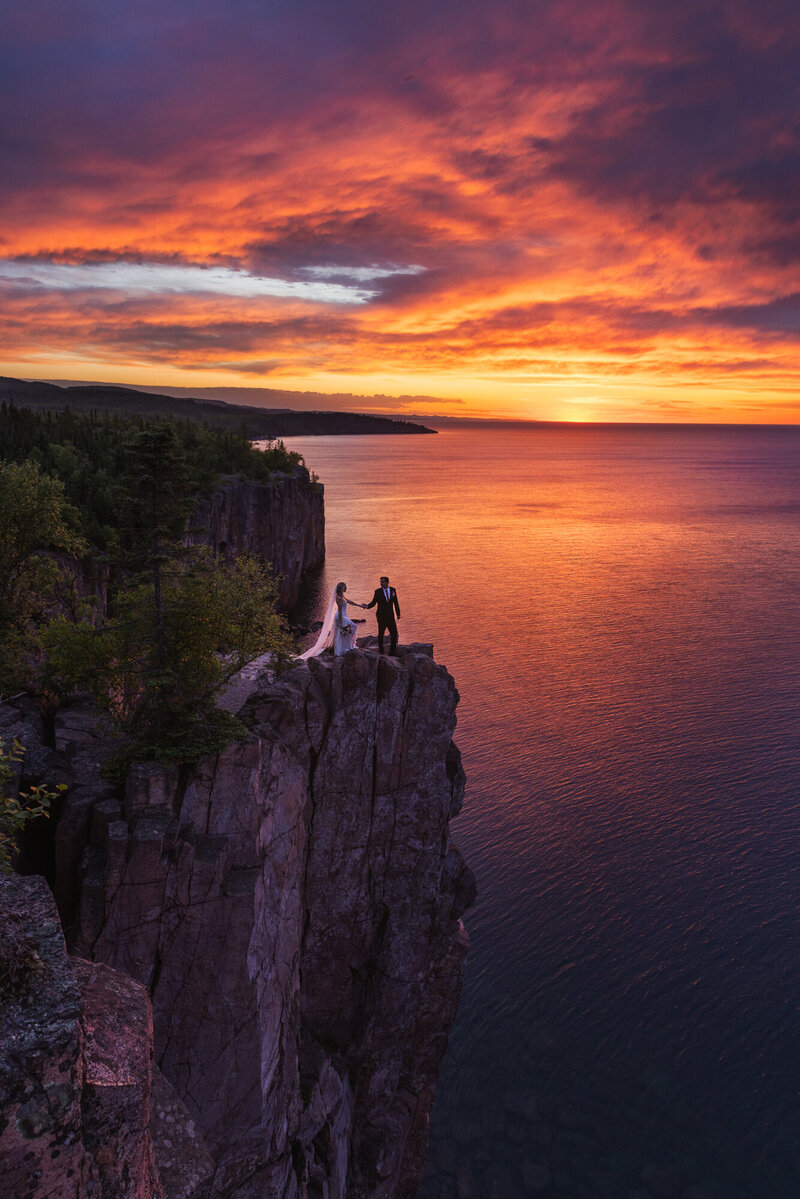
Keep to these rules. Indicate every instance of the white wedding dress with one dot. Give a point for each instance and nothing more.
(337, 630)
(344, 632)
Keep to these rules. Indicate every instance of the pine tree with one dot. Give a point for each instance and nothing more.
(157, 500)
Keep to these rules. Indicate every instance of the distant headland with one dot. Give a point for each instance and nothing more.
(218, 414)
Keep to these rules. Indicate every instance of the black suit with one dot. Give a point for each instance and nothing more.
(385, 614)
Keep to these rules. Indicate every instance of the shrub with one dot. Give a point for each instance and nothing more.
(17, 810)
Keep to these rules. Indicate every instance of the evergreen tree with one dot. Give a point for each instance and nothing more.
(157, 500)
(34, 516)
(34, 519)
(179, 623)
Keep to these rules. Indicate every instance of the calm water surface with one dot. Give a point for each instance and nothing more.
(621, 611)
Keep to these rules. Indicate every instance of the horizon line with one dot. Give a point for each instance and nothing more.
(167, 391)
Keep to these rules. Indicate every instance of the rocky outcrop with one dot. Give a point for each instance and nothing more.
(75, 1071)
(70, 751)
(282, 522)
(293, 906)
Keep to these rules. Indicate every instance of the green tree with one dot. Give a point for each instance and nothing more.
(16, 810)
(90, 453)
(215, 617)
(157, 499)
(178, 624)
(34, 516)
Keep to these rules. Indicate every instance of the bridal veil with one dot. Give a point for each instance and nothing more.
(325, 637)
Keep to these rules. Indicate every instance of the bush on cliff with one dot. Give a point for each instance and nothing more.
(159, 670)
(34, 518)
(179, 622)
(16, 810)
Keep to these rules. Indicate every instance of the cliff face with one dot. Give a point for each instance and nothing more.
(81, 1113)
(282, 521)
(293, 906)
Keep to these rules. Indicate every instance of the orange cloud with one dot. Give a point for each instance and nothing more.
(594, 210)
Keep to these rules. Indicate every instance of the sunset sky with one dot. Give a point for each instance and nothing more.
(573, 210)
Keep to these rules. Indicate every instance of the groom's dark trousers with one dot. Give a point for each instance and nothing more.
(385, 613)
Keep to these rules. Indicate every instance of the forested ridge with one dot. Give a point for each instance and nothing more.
(254, 421)
(105, 497)
(88, 453)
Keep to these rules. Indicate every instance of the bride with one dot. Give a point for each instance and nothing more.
(337, 629)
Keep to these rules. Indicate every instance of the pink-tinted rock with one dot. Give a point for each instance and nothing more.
(149, 785)
(117, 1051)
(184, 1163)
(294, 906)
(282, 522)
(83, 738)
(75, 1070)
(41, 1053)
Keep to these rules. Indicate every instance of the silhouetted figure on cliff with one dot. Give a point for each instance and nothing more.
(385, 600)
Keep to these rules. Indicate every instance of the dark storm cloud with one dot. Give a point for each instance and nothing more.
(338, 238)
(693, 122)
(779, 317)
(81, 256)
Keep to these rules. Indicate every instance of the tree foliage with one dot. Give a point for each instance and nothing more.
(35, 522)
(34, 516)
(16, 810)
(215, 617)
(179, 622)
(88, 454)
(157, 502)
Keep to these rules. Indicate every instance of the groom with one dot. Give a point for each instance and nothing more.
(385, 598)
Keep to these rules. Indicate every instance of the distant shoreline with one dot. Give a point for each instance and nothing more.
(259, 424)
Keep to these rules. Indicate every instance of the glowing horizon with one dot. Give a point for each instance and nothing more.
(589, 216)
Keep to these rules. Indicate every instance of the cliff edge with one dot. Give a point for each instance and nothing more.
(293, 908)
(282, 522)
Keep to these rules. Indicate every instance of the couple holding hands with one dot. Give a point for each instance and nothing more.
(338, 629)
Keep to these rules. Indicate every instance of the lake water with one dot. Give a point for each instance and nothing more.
(620, 608)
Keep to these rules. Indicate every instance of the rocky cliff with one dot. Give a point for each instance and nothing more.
(293, 908)
(83, 1112)
(282, 521)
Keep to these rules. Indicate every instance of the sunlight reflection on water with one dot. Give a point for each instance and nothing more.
(620, 610)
